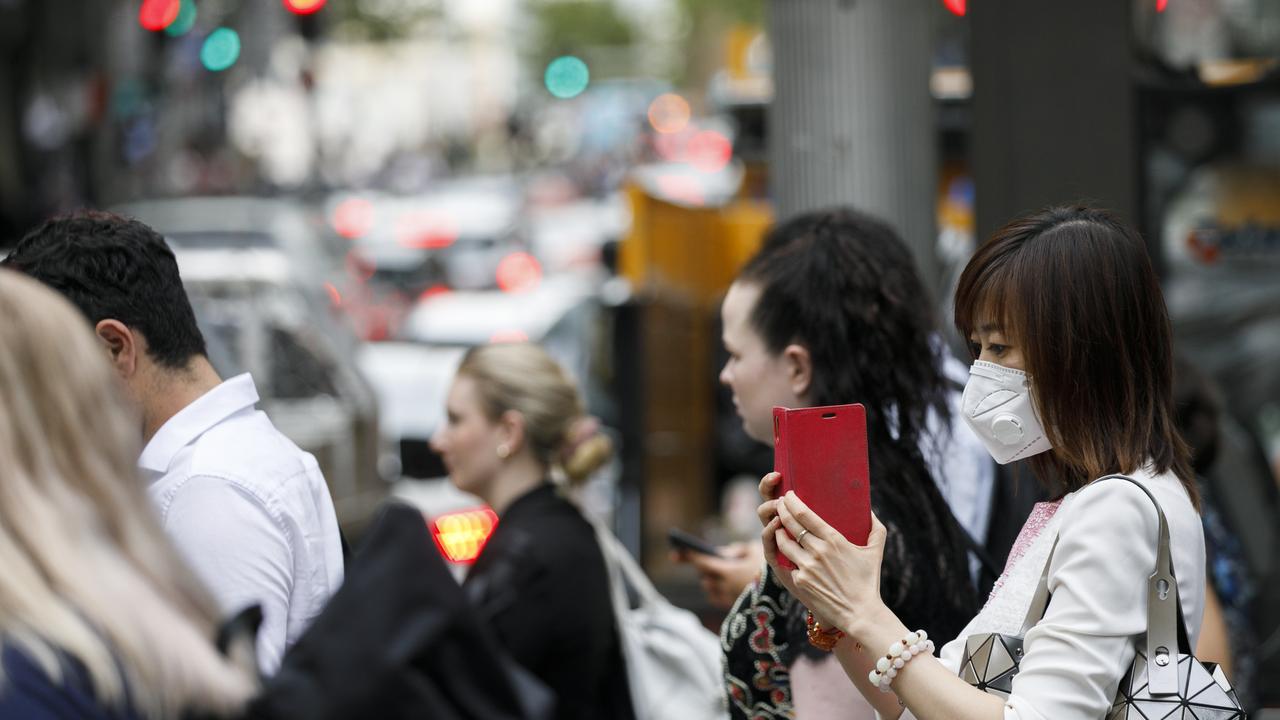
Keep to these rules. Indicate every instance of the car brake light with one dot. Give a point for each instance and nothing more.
(509, 336)
(462, 535)
(425, 230)
(433, 291)
(519, 272)
(353, 218)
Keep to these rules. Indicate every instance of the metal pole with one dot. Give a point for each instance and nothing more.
(852, 120)
(1054, 116)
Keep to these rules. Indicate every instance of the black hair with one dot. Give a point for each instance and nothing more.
(843, 285)
(112, 267)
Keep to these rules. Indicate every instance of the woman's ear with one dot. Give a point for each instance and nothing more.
(511, 428)
(799, 366)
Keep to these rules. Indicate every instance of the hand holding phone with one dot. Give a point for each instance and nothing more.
(681, 540)
(822, 455)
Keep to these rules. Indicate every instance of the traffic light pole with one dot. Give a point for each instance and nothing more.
(852, 121)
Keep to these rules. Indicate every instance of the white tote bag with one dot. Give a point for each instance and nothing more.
(673, 662)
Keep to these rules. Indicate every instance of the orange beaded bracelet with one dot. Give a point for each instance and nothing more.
(824, 639)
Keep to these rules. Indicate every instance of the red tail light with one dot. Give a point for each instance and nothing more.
(519, 272)
(462, 535)
(509, 336)
(353, 218)
(433, 291)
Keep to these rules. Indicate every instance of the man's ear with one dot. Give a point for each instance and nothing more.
(122, 346)
(799, 366)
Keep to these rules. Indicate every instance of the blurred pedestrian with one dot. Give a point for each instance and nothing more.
(831, 311)
(99, 617)
(515, 419)
(1228, 633)
(246, 507)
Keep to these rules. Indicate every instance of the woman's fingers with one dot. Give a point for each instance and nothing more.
(878, 531)
(807, 518)
(767, 511)
(799, 533)
(769, 542)
(769, 486)
(798, 553)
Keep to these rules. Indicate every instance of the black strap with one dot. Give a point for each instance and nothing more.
(974, 547)
(346, 552)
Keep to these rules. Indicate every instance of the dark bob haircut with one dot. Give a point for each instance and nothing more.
(1074, 289)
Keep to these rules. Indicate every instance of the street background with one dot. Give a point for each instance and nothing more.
(359, 190)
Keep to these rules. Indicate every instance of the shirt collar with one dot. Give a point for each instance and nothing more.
(228, 398)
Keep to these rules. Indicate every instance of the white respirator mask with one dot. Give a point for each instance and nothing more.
(997, 405)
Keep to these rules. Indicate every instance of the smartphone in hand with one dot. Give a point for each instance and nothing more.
(681, 540)
(821, 453)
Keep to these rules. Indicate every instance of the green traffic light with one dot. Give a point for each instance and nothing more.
(185, 20)
(567, 77)
(221, 49)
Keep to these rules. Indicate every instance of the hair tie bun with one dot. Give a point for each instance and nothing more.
(579, 432)
(585, 449)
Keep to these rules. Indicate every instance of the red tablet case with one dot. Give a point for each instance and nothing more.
(822, 455)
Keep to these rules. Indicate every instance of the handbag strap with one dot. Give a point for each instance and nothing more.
(624, 572)
(1166, 627)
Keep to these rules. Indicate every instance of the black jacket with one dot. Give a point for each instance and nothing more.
(399, 640)
(541, 584)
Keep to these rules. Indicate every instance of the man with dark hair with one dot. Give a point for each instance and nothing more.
(248, 509)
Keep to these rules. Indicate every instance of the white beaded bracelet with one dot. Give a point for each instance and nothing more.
(900, 653)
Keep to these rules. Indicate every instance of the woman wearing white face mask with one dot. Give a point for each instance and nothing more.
(1073, 371)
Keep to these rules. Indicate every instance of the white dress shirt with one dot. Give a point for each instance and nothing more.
(248, 510)
(1076, 655)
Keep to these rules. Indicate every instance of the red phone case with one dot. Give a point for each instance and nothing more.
(822, 455)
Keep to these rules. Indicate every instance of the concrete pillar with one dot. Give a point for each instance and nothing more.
(852, 121)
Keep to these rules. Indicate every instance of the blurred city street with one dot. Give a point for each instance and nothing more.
(358, 192)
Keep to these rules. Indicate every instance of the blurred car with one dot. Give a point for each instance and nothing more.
(255, 279)
(559, 312)
(315, 253)
(454, 235)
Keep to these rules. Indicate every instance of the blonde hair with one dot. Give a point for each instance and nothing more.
(87, 569)
(524, 378)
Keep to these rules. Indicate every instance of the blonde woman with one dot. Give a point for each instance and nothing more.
(513, 418)
(98, 617)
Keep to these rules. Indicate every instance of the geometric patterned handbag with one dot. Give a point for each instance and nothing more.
(1165, 682)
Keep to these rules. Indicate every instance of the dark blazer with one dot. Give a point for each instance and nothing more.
(541, 584)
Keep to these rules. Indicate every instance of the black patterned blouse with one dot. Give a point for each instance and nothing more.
(764, 633)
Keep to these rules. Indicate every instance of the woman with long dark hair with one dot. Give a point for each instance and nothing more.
(1072, 371)
(831, 311)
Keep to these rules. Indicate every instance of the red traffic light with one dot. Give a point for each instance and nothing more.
(156, 15)
(303, 7)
